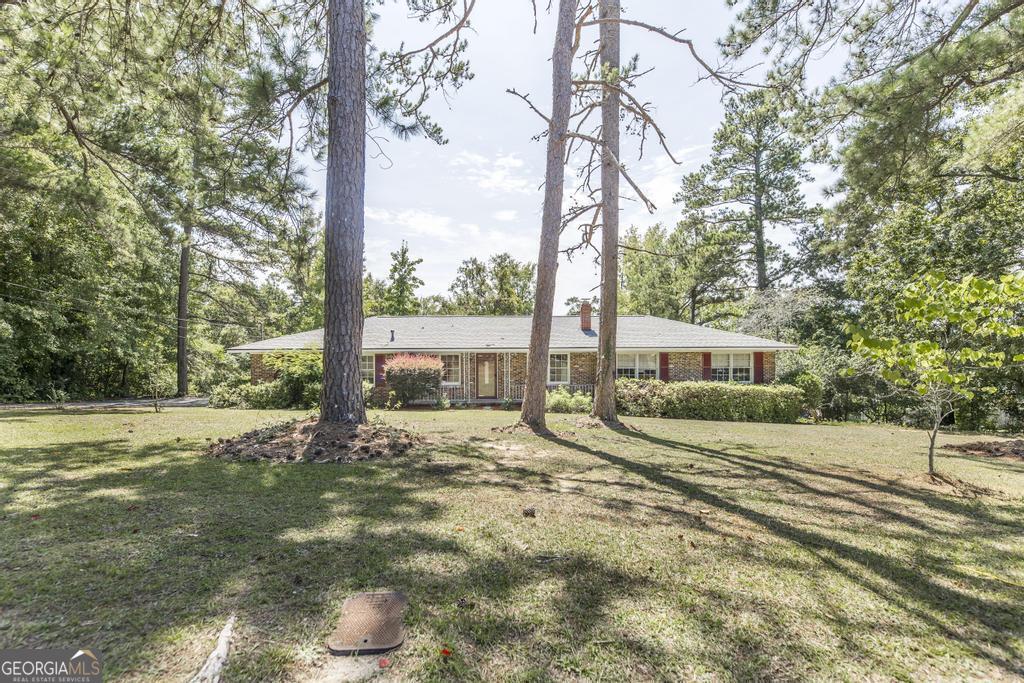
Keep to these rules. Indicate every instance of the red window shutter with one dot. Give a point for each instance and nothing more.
(663, 367)
(759, 367)
(707, 366)
(378, 368)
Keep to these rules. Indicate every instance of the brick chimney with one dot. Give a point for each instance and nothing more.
(585, 310)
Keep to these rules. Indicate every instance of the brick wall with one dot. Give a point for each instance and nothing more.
(258, 370)
(769, 367)
(583, 368)
(515, 364)
(517, 371)
(685, 367)
(682, 367)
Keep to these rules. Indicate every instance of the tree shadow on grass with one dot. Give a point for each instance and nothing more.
(929, 591)
(141, 551)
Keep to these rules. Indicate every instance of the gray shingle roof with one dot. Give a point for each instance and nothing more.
(511, 333)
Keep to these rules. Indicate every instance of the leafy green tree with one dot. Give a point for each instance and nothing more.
(574, 303)
(689, 274)
(948, 332)
(500, 286)
(298, 249)
(434, 304)
(374, 295)
(81, 307)
(752, 183)
(911, 72)
(399, 295)
(141, 95)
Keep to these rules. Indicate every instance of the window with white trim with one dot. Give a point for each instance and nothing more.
(625, 365)
(558, 368)
(731, 367)
(741, 367)
(366, 367)
(636, 365)
(451, 374)
(647, 366)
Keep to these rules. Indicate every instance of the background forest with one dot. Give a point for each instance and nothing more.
(152, 213)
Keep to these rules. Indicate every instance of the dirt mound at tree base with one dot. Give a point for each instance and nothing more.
(313, 442)
(995, 449)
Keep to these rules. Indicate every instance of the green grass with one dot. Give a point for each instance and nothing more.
(682, 550)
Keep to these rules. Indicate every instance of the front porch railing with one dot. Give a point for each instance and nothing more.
(512, 392)
(455, 394)
(516, 391)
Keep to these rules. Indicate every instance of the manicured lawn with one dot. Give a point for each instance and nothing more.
(682, 550)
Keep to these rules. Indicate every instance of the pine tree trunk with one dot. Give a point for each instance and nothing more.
(184, 265)
(554, 181)
(342, 394)
(604, 397)
(760, 249)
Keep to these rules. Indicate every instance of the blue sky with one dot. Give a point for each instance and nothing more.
(481, 193)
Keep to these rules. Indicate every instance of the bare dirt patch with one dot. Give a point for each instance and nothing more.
(590, 422)
(955, 486)
(310, 441)
(1013, 450)
(522, 428)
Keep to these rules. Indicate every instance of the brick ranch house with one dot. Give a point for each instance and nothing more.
(485, 356)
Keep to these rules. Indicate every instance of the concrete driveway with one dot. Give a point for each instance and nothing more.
(187, 402)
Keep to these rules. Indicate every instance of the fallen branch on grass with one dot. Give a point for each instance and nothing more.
(210, 673)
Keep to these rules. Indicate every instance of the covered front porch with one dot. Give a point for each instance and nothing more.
(481, 377)
(512, 392)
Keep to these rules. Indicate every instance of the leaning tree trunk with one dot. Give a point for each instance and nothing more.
(342, 394)
(184, 265)
(604, 397)
(554, 181)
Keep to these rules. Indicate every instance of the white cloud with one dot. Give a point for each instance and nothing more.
(505, 215)
(469, 229)
(505, 173)
(416, 222)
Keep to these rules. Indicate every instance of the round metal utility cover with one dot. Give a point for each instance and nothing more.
(370, 623)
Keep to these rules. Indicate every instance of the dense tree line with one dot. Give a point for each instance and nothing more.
(152, 214)
(923, 128)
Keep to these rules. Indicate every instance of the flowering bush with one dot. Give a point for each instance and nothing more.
(413, 377)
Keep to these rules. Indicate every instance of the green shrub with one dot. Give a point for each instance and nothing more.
(311, 394)
(226, 395)
(814, 390)
(296, 385)
(57, 396)
(709, 400)
(278, 394)
(392, 402)
(299, 374)
(561, 400)
(367, 393)
(413, 377)
(264, 396)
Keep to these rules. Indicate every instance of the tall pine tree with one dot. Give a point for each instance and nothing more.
(753, 183)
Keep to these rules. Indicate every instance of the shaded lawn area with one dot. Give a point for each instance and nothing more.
(680, 550)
